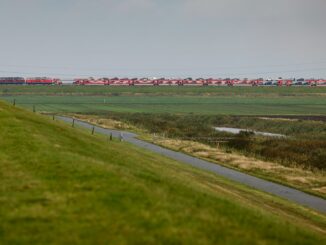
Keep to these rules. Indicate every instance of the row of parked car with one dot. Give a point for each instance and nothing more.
(199, 82)
(166, 81)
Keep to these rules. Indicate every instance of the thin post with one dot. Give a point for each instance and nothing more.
(110, 136)
(14, 103)
(33, 108)
(53, 117)
(93, 130)
(73, 122)
(121, 137)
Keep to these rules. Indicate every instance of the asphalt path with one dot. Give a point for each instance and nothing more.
(291, 194)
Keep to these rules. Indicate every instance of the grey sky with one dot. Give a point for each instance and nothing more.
(222, 38)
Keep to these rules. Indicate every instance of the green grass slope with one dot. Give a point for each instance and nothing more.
(61, 185)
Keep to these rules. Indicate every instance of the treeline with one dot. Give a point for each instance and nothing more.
(305, 143)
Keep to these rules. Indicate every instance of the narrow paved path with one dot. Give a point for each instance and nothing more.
(314, 202)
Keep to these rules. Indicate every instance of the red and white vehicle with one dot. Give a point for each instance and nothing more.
(11, 80)
(90, 81)
(287, 82)
(43, 81)
(144, 82)
(175, 82)
(156, 81)
(227, 82)
(320, 82)
(240, 82)
(169, 82)
(200, 82)
(214, 81)
(191, 82)
(120, 82)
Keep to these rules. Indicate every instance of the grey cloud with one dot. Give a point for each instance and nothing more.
(170, 38)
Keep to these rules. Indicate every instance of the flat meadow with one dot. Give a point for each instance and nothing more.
(196, 100)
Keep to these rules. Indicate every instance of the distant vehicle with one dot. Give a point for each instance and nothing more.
(121, 82)
(116, 81)
(270, 83)
(90, 81)
(300, 83)
(143, 82)
(12, 80)
(43, 81)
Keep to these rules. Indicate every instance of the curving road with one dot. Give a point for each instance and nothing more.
(291, 194)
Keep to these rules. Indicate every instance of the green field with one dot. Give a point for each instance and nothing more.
(158, 90)
(197, 100)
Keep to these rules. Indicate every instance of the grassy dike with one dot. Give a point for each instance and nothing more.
(62, 185)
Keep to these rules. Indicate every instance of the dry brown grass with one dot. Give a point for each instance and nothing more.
(279, 119)
(104, 122)
(295, 176)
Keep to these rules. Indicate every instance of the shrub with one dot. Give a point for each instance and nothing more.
(306, 146)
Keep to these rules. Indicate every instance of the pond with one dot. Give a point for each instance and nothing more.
(237, 130)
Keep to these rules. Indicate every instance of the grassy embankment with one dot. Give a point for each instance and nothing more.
(63, 185)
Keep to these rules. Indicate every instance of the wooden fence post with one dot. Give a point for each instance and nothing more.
(121, 137)
(73, 123)
(93, 129)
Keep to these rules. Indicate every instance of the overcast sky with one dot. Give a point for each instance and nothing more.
(198, 38)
